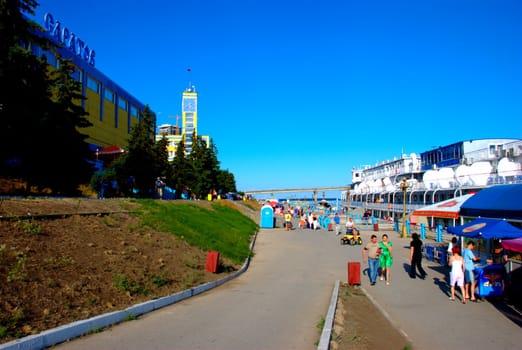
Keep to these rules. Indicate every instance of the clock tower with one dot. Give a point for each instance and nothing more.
(189, 115)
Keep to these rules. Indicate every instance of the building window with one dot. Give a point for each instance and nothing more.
(93, 84)
(77, 75)
(134, 111)
(122, 103)
(50, 58)
(109, 95)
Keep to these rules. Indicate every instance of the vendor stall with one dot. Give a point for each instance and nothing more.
(489, 276)
(490, 280)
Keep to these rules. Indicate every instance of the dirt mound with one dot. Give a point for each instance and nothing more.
(70, 266)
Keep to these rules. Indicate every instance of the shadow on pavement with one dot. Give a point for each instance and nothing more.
(507, 310)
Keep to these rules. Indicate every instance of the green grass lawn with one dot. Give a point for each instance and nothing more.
(221, 228)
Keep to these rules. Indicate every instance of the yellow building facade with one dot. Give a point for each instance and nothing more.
(189, 125)
(112, 110)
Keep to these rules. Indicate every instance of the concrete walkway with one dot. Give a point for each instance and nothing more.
(285, 293)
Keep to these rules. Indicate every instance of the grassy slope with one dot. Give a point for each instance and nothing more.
(219, 228)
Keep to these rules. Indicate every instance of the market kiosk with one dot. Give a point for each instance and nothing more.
(489, 276)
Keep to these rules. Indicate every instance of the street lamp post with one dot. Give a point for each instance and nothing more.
(404, 187)
(348, 201)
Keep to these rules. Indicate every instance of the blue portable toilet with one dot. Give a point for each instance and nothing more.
(267, 217)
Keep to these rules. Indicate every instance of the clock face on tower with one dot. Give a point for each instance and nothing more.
(189, 105)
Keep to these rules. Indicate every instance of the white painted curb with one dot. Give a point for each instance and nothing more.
(326, 335)
(76, 329)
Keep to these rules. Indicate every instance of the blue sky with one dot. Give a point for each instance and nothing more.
(297, 93)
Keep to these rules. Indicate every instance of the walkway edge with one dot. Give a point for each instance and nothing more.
(326, 335)
(79, 328)
(387, 316)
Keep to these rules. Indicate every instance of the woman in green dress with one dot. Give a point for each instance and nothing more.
(385, 258)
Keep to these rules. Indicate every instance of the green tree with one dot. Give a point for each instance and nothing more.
(41, 109)
(163, 167)
(226, 181)
(182, 171)
(205, 165)
(25, 88)
(140, 159)
(65, 119)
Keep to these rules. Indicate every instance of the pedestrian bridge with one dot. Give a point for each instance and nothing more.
(313, 190)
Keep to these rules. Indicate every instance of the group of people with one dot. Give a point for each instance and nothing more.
(310, 221)
(378, 255)
(462, 269)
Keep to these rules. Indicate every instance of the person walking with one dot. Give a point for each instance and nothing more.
(469, 277)
(337, 222)
(159, 187)
(457, 273)
(386, 258)
(370, 255)
(416, 257)
(288, 220)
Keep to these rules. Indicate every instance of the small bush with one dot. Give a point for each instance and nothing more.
(160, 281)
(123, 284)
(28, 226)
(17, 271)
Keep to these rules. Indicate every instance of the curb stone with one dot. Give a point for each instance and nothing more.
(326, 335)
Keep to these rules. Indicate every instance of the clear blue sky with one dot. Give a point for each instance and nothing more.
(296, 93)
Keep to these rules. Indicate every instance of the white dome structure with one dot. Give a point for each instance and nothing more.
(430, 179)
(446, 178)
(462, 175)
(480, 172)
(508, 168)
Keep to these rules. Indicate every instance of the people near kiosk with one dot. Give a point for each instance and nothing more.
(457, 273)
(499, 257)
(451, 245)
(469, 277)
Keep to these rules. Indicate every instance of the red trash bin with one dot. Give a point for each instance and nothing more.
(212, 261)
(354, 273)
(376, 227)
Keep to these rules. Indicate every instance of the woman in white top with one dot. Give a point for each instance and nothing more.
(457, 273)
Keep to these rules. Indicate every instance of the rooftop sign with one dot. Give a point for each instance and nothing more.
(64, 36)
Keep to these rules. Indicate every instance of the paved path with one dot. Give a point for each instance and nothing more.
(285, 293)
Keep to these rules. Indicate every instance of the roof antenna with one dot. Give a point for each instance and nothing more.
(189, 89)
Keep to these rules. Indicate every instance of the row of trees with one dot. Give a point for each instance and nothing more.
(197, 173)
(40, 113)
(41, 120)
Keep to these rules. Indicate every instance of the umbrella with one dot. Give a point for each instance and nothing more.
(501, 202)
(448, 209)
(513, 244)
(486, 228)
